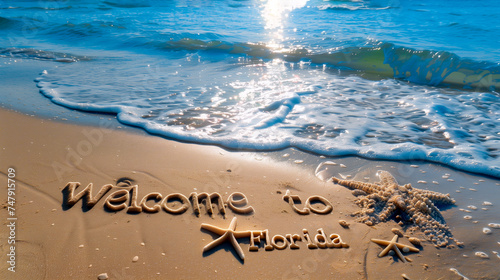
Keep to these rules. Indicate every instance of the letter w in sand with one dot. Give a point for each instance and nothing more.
(70, 199)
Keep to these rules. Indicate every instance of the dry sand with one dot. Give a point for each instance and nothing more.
(54, 241)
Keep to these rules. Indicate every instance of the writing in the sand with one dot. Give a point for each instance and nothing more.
(174, 203)
(127, 197)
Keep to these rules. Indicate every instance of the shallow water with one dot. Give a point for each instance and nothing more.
(399, 80)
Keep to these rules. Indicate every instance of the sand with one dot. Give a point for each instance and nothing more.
(55, 240)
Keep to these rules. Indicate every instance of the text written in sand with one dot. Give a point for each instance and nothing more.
(120, 197)
(175, 203)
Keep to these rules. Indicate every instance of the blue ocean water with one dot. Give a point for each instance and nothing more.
(381, 79)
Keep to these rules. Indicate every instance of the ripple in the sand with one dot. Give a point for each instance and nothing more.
(386, 199)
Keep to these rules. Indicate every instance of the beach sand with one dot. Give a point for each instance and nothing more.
(55, 241)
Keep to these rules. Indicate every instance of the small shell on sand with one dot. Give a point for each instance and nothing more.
(487, 230)
(472, 207)
(494, 225)
(298, 161)
(487, 203)
(415, 241)
(482, 255)
(344, 224)
(135, 259)
(343, 165)
(397, 231)
(422, 182)
(103, 276)
(467, 217)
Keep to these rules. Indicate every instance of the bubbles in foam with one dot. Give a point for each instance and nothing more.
(229, 104)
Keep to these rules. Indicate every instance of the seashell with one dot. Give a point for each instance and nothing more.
(472, 207)
(103, 276)
(135, 259)
(487, 230)
(344, 224)
(415, 241)
(482, 255)
(467, 217)
(494, 225)
(487, 203)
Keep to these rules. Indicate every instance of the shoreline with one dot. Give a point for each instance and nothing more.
(84, 243)
(20, 88)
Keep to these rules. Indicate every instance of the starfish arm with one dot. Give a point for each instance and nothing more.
(436, 215)
(390, 246)
(366, 187)
(236, 246)
(402, 246)
(232, 225)
(400, 255)
(385, 251)
(386, 212)
(246, 233)
(387, 180)
(214, 229)
(216, 242)
(436, 197)
(381, 242)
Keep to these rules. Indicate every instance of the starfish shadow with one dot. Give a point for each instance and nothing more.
(226, 247)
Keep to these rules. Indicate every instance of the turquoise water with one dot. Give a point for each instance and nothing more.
(398, 80)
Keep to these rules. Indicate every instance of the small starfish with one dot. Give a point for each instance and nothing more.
(395, 246)
(382, 200)
(227, 234)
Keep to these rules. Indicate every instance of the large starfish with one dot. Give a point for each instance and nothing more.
(381, 201)
(227, 234)
(395, 246)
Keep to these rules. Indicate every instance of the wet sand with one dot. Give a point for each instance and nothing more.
(55, 240)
